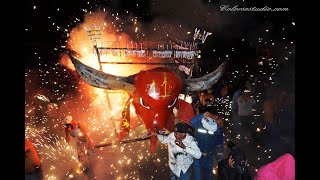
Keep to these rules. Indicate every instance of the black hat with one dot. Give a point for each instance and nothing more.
(181, 128)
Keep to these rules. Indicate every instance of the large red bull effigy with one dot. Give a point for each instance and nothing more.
(154, 92)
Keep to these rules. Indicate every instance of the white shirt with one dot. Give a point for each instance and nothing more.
(180, 159)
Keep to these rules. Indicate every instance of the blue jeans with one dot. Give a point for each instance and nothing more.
(183, 176)
(202, 168)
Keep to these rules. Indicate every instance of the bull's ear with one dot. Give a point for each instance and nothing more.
(204, 82)
(101, 79)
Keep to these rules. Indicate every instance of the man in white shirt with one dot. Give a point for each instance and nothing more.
(182, 149)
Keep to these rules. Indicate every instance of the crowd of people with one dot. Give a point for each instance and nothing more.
(257, 111)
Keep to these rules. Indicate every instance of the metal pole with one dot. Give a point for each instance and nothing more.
(100, 64)
(98, 55)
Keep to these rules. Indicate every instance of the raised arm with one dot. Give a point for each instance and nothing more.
(193, 150)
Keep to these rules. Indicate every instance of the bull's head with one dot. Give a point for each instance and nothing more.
(154, 92)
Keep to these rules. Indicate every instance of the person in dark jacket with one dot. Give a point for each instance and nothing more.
(235, 166)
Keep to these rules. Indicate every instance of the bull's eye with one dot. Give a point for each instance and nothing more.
(144, 105)
(173, 103)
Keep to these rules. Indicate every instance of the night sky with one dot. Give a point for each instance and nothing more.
(234, 33)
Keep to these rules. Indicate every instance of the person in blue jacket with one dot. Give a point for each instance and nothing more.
(204, 127)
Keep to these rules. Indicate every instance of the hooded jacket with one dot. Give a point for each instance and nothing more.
(282, 168)
(204, 137)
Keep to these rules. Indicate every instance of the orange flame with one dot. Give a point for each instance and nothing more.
(96, 30)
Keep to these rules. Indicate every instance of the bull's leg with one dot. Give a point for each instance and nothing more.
(153, 144)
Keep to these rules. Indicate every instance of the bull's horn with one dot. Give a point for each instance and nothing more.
(206, 81)
(101, 79)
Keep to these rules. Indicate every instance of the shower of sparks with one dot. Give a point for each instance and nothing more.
(101, 109)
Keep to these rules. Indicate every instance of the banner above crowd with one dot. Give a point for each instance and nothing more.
(186, 54)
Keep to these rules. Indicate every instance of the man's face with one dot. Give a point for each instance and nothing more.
(246, 93)
(179, 136)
